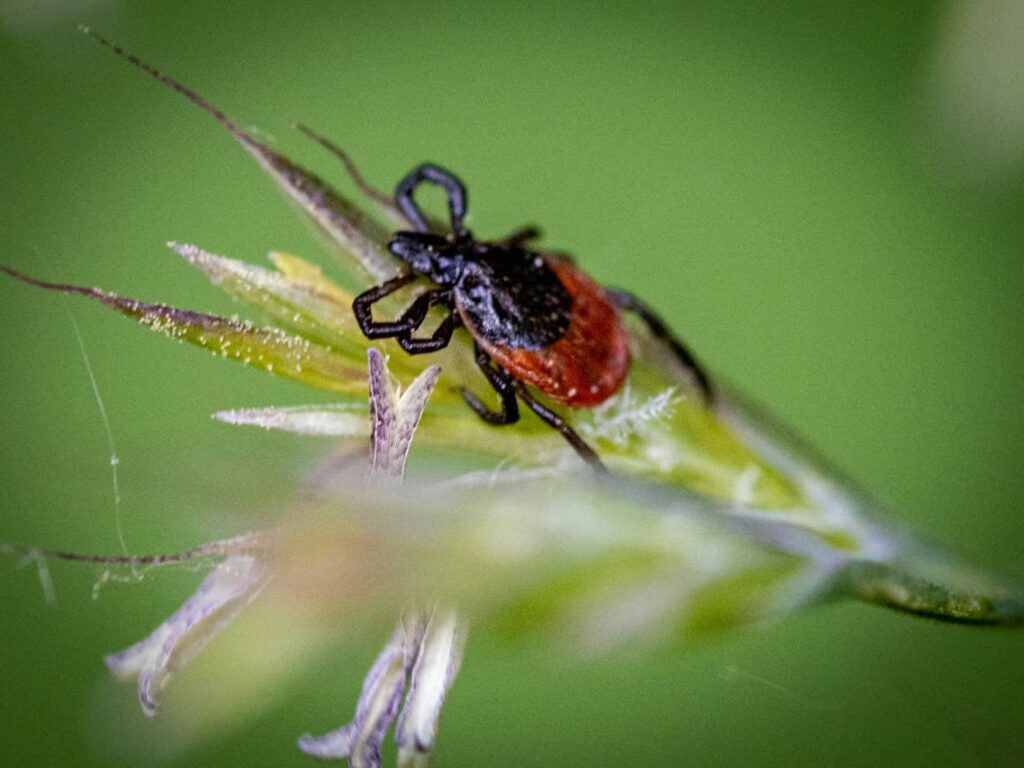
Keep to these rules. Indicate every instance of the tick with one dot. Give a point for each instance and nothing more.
(537, 320)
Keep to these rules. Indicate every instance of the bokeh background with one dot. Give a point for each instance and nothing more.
(826, 200)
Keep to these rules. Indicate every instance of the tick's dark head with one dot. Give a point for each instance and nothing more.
(439, 258)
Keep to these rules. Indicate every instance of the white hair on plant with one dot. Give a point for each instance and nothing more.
(626, 414)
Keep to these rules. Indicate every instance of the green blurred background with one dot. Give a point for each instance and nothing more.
(826, 200)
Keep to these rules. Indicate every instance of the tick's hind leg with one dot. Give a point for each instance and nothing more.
(555, 421)
(503, 384)
(508, 388)
(630, 303)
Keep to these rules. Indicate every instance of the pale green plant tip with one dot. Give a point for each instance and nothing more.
(893, 587)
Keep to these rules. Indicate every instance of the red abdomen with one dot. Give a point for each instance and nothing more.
(588, 364)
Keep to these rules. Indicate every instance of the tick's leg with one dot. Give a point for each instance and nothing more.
(454, 188)
(503, 385)
(440, 339)
(409, 321)
(520, 237)
(362, 304)
(630, 303)
(552, 419)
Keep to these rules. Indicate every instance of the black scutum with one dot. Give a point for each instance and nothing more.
(512, 298)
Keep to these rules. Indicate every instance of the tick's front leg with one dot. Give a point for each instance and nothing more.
(409, 321)
(439, 340)
(363, 303)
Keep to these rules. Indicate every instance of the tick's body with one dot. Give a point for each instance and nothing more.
(546, 323)
(536, 318)
(579, 353)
